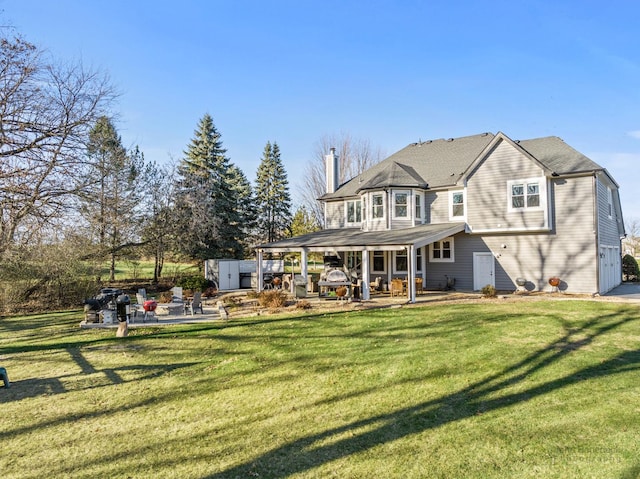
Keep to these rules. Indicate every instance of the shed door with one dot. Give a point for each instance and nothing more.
(228, 275)
(483, 270)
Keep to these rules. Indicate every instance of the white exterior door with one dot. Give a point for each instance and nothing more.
(228, 275)
(483, 270)
(610, 268)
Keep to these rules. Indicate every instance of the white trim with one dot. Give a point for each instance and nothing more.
(407, 205)
(510, 230)
(394, 258)
(464, 205)
(541, 181)
(353, 224)
(373, 262)
(443, 260)
(476, 285)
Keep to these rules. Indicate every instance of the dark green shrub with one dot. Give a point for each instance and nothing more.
(193, 283)
(630, 270)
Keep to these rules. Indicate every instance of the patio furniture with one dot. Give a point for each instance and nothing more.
(419, 288)
(195, 304)
(396, 287)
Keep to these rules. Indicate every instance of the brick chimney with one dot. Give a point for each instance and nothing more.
(331, 171)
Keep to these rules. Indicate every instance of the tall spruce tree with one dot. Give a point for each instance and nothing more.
(245, 205)
(273, 201)
(110, 201)
(209, 225)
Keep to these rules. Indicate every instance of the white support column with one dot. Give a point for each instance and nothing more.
(366, 277)
(411, 270)
(259, 271)
(304, 271)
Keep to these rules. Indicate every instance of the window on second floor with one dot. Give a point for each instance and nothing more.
(456, 203)
(442, 251)
(354, 211)
(609, 202)
(401, 205)
(418, 207)
(526, 194)
(377, 206)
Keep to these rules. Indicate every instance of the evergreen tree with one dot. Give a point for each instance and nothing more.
(245, 205)
(303, 222)
(209, 225)
(110, 202)
(273, 201)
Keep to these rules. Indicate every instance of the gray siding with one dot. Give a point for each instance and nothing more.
(569, 251)
(437, 206)
(488, 195)
(334, 214)
(607, 226)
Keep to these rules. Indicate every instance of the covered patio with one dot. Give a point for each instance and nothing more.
(336, 241)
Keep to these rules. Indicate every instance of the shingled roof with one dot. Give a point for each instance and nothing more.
(441, 163)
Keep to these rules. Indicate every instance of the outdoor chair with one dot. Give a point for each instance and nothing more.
(396, 287)
(419, 288)
(177, 294)
(375, 285)
(195, 304)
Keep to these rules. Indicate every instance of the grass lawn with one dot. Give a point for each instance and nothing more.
(526, 389)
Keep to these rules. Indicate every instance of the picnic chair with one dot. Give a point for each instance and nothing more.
(195, 304)
(419, 287)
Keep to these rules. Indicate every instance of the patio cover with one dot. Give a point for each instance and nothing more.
(354, 239)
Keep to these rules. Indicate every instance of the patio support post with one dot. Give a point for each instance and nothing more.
(365, 275)
(411, 272)
(259, 271)
(303, 265)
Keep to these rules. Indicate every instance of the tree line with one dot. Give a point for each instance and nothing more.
(73, 197)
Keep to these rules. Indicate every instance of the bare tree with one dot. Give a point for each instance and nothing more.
(46, 112)
(631, 244)
(355, 156)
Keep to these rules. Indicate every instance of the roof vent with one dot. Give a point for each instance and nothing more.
(485, 134)
(450, 139)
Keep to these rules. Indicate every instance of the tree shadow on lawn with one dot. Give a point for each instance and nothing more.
(304, 454)
(88, 377)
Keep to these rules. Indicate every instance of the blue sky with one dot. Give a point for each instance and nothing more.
(392, 72)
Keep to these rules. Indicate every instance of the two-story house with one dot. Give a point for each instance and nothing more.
(478, 210)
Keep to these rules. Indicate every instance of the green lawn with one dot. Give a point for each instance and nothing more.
(493, 389)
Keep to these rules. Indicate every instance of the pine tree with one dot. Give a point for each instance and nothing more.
(245, 205)
(210, 225)
(110, 202)
(273, 201)
(303, 222)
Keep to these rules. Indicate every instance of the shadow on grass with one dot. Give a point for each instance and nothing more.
(483, 396)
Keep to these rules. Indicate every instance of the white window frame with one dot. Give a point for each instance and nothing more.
(441, 249)
(418, 205)
(419, 260)
(464, 205)
(346, 212)
(609, 202)
(407, 205)
(373, 262)
(525, 182)
(375, 207)
(400, 253)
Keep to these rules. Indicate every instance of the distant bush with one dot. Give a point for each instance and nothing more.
(489, 291)
(193, 283)
(272, 298)
(630, 270)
